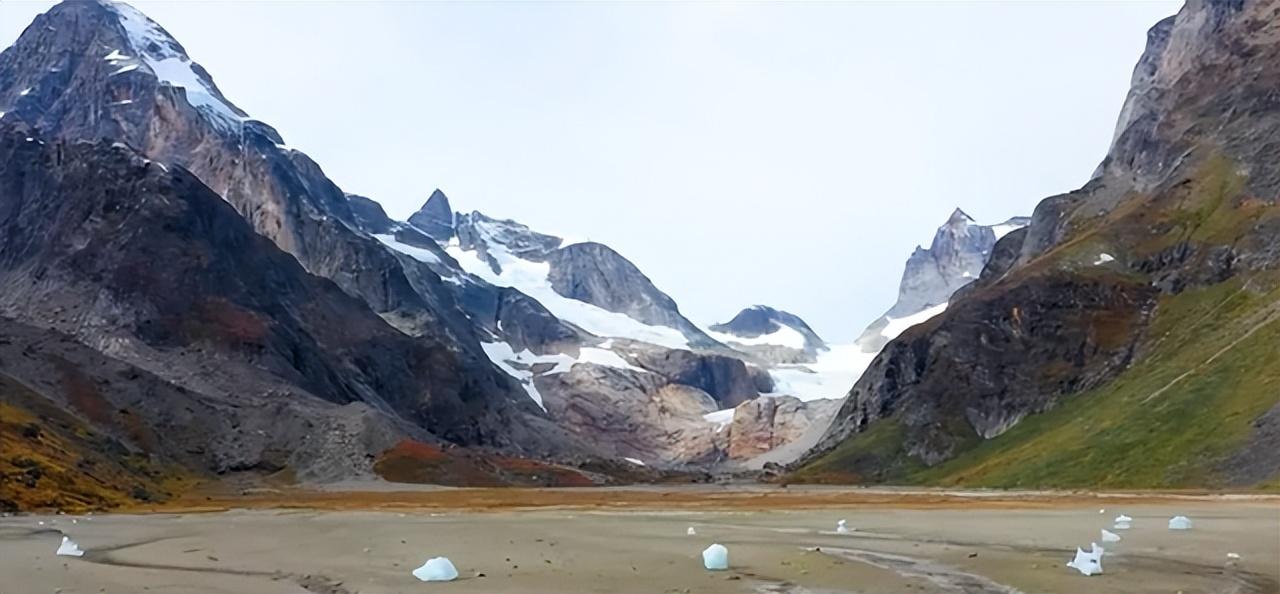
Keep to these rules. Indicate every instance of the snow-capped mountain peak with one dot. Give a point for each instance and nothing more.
(152, 48)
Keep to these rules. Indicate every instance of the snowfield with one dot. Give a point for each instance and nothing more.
(531, 279)
(784, 336)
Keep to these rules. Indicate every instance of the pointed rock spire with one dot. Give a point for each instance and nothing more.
(435, 218)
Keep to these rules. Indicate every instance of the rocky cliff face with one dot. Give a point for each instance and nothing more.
(1095, 348)
(435, 218)
(956, 257)
(87, 71)
(310, 303)
(227, 317)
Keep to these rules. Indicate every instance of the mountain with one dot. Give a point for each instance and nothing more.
(774, 335)
(1126, 337)
(605, 352)
(250, 362)
(105, 116)
(959, 251)
(435, 218)
(444, 330)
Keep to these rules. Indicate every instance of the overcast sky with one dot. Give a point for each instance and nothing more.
(787, 154)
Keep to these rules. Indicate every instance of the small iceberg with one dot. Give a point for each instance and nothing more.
(842, 527)
(1088, 563)
(1233, 556)
(69, 548)
(1109, 536)
(691, 531)
(716, 558)
(1179, 523)
(1123, 519)
(436, 569)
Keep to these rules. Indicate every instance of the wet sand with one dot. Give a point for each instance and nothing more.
(960, 543)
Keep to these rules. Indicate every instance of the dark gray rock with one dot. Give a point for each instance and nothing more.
(759, 320)
(435, 218)
(369, 215)
(596, 274)
(955, 258)
(725, 378)
(227, 315)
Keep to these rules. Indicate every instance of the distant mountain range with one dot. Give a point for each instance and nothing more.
(182, 294)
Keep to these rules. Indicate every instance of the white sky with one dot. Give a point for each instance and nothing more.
(787, 154)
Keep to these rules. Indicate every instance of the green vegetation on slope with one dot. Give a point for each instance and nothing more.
(51, 460)
(1211, 369)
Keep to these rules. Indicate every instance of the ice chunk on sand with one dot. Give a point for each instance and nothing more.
(1102, 511)
(1233, 556)
(716, 557)
(691, 531)
(436, 569)
(69, 548)
(842, 527)
(1088, 563)
(1109, 536)
(1179, 523)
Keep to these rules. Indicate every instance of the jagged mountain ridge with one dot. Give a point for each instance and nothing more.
(604, 340)
(94, 70)
(91, 70)
(1125, 337)
(288, 370)
(959, 251)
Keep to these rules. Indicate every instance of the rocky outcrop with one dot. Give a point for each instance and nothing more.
(595, 274)
(435, 218)
(370, 216)
(1182, 216)
(726, 379)
(103, 70)
(766, 424)
(632, 414)
(228, 317)
(957, 255)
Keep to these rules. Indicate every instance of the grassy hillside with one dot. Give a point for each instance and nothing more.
(52, 460)
(1184, 416)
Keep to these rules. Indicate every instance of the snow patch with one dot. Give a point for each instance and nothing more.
(604, 357)
(785, 336)
(531, 279)
(124, 69)
(635, 461)
(720, 418)
(897, 326)
(1103, 258)
(115, 56)
(417, 253)
(24, 92)
(163, 56)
